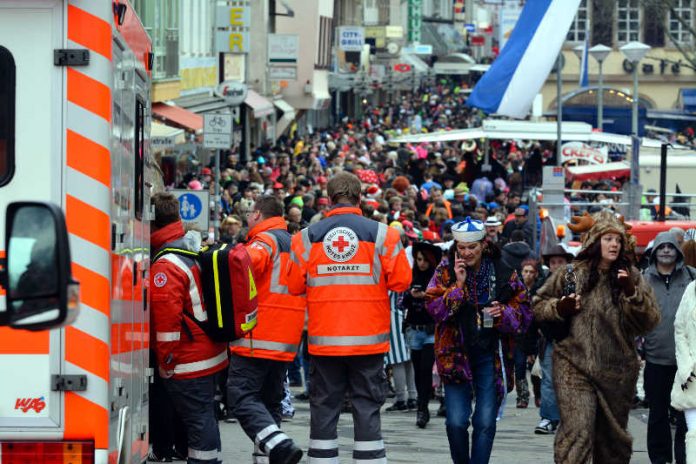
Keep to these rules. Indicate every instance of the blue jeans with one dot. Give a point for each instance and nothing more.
(549, 406)
(417, 338)
(458, 399)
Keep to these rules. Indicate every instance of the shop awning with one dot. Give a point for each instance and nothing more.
(202, 103)
(286, 119)
(163, 136)
(179, 117)
(600, 171)
(416, 63)
(259, 104)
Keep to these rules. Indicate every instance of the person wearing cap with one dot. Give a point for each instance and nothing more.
(478, 304)
(595, 367)
(521, 222)
(322, 207)
(555, 257)
(492, 226)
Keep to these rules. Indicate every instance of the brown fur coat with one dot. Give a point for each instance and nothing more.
(596, 367)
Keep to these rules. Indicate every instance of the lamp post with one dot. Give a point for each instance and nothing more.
(634, 52)
(600, 52)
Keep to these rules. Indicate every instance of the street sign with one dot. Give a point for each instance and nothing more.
(470, 28)
(283, 48)
(282, 73)
(402, 67)
(194, 207)
(217, 130)
(418, 49)
(478, 41)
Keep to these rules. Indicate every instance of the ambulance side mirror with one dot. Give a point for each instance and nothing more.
(40, 291)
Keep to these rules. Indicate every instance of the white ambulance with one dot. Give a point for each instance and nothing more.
(74, 160)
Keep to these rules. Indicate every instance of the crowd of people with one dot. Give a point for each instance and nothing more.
(443, 252)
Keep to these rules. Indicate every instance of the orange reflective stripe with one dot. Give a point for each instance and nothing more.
(87, 352)
(85, 420)
(90, 94)
(23, 341)
(94, 288)
(88, 222)
(90, 31)
(88, 157)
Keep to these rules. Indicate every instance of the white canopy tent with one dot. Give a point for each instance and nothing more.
(500, 129)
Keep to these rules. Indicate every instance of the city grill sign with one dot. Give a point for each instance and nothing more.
(351, 38)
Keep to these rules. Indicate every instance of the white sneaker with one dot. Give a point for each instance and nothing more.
(545, 427)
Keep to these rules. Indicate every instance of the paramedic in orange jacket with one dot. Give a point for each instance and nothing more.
(186, 357)
(258, 365)
(345, 264)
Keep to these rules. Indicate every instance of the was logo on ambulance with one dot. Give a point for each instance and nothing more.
(26, 404)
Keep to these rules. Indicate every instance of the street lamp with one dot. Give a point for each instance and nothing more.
(634, 52)
(600, 53)
(579, 50)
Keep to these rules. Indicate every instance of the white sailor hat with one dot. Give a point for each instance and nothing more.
(469, 230)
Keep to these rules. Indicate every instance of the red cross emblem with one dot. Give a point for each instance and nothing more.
(160, 279)
(340, 243)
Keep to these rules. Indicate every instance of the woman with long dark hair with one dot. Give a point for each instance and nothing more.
(478, 304)
(604, 304)
(420, 326)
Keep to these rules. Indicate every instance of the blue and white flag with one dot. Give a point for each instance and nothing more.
(584, 63)
(508, 88)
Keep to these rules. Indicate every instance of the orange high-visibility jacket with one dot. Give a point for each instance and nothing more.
(345, 264)
(280, 315)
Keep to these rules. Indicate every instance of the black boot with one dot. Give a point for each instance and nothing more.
(285, 453)
(442, 410)
(422, 417)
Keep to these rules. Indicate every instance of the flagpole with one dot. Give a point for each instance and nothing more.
(559, 109)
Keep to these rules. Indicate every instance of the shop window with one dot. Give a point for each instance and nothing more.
(7, 115)
(139, 158)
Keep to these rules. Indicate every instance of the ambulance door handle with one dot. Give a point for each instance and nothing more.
(135, 273)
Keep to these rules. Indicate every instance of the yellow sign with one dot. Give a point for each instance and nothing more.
(232, 27)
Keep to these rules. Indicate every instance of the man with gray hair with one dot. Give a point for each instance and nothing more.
(668, 276)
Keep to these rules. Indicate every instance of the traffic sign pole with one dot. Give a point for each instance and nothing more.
(218, 206)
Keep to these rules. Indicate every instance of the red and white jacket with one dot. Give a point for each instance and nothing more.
(182, 349)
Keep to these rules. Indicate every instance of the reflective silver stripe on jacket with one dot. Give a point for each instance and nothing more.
(266, 345)
(198, 366)
(212, 455)
(276, 287)
(194, 292)
(348, 340)
(306, 243)
(168, 336)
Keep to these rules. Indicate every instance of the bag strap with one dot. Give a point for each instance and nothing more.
(176, 251)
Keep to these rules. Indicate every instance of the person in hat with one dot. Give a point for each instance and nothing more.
(595, 367)
(521, 222)
(492, 226)
(420, 326)
(556, 257)
(478, 304)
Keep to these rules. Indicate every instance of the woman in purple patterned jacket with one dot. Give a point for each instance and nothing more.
(479, 305)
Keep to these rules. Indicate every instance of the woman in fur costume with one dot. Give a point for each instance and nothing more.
(595, 366)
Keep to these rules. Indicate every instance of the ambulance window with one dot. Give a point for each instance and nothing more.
(139, 157)
(7, 115)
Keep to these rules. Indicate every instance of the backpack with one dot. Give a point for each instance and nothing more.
(229, 290)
